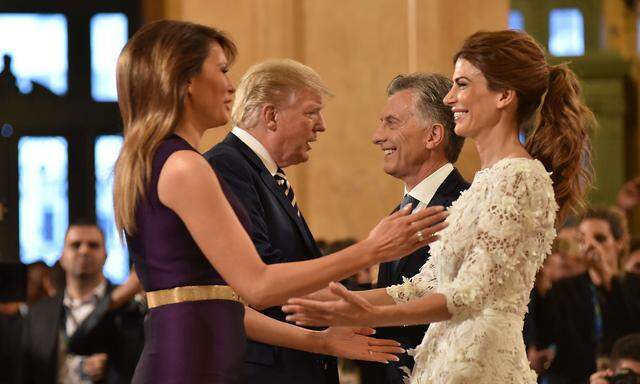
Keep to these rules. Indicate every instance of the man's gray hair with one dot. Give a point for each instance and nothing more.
(429, 90)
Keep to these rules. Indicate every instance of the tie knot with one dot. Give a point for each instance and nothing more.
(280, 177)
(408, 199)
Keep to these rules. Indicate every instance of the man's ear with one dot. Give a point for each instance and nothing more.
(434, 135)
(269, 116)
(506, 98)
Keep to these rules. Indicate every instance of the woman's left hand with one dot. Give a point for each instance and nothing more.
(351, 309)
(355, 344)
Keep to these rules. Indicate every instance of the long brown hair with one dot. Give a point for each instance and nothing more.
(550, 108)
(152, 74)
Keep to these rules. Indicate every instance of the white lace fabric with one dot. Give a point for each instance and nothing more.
(500, 231)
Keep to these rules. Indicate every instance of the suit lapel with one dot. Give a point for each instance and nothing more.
(51, 319)
(270, 182)
(449, 190)
(445, 194)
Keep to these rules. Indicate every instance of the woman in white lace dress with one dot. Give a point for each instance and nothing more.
(475, 286)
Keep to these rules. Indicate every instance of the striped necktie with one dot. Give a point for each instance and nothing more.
(283, 183)
(406, 200)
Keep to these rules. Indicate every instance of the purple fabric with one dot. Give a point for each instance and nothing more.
(191, 342)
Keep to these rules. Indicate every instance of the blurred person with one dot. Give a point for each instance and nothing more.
(188, 230)
(39, 284)
(109, 345)
(629, 195)
(624, 363)
(13, 283)
(475, 286)
(561, 264)
(581, 315)
(632, 263)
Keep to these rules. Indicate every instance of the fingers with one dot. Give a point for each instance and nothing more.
(378, 357)
(426, 224)
(342, 292)
(309, 320)
(299, 304)
(383, 342)
(386, 349)
(365, 331)
(405, 211)
(428, 212)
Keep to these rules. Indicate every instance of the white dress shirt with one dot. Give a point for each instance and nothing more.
(425, 189)
(77, 310)
(257, 148)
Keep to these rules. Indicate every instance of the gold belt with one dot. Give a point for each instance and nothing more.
(191, 293)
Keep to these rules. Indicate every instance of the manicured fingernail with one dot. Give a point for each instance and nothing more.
(395, 359)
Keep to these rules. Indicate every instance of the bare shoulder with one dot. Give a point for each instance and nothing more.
(184, 172)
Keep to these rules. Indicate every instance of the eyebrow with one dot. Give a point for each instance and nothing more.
(461, 78)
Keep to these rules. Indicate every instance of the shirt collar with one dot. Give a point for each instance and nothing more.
(97, 293)
(257, 147)
(425, 189)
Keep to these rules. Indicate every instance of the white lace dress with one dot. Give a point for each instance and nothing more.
(500, 230)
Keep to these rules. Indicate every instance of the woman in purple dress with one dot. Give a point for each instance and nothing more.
(191, 253)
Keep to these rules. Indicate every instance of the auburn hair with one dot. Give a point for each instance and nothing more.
(550, 108)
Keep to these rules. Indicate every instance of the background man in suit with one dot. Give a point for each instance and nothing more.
(73, 337)
(277, 115)
(419, 144)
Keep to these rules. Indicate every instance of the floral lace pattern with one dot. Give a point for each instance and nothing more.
(500, 231)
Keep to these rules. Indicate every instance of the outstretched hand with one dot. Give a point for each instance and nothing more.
(355, 344)
(350, 309)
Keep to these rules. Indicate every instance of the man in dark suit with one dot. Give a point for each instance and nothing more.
(74, 337)
(419, 144)
(277, 115)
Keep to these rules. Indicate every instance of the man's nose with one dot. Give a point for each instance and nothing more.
(377, 136)
(320, 125)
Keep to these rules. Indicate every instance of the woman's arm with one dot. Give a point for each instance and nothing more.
(124, 293)
(188, 186)
(350, 343)
(352, 309)
(377, 296)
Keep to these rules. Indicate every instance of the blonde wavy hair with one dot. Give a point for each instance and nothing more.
(152, 75)
(272, 81)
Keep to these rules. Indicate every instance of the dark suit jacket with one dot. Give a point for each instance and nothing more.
(117, 333)
(565, 317)
(410, 337)
(280, 235)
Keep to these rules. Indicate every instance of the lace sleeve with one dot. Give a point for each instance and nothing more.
(418, 286)
(514, 233)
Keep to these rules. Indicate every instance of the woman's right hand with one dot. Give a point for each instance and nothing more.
(401, 233)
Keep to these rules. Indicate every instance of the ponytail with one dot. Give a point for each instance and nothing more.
(560, 140)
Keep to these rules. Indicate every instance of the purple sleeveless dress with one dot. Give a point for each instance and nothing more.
(188, 342)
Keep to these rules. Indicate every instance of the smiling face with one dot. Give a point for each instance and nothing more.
(474, 105)
(402, 136)
(210, 92)
(297, 125)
